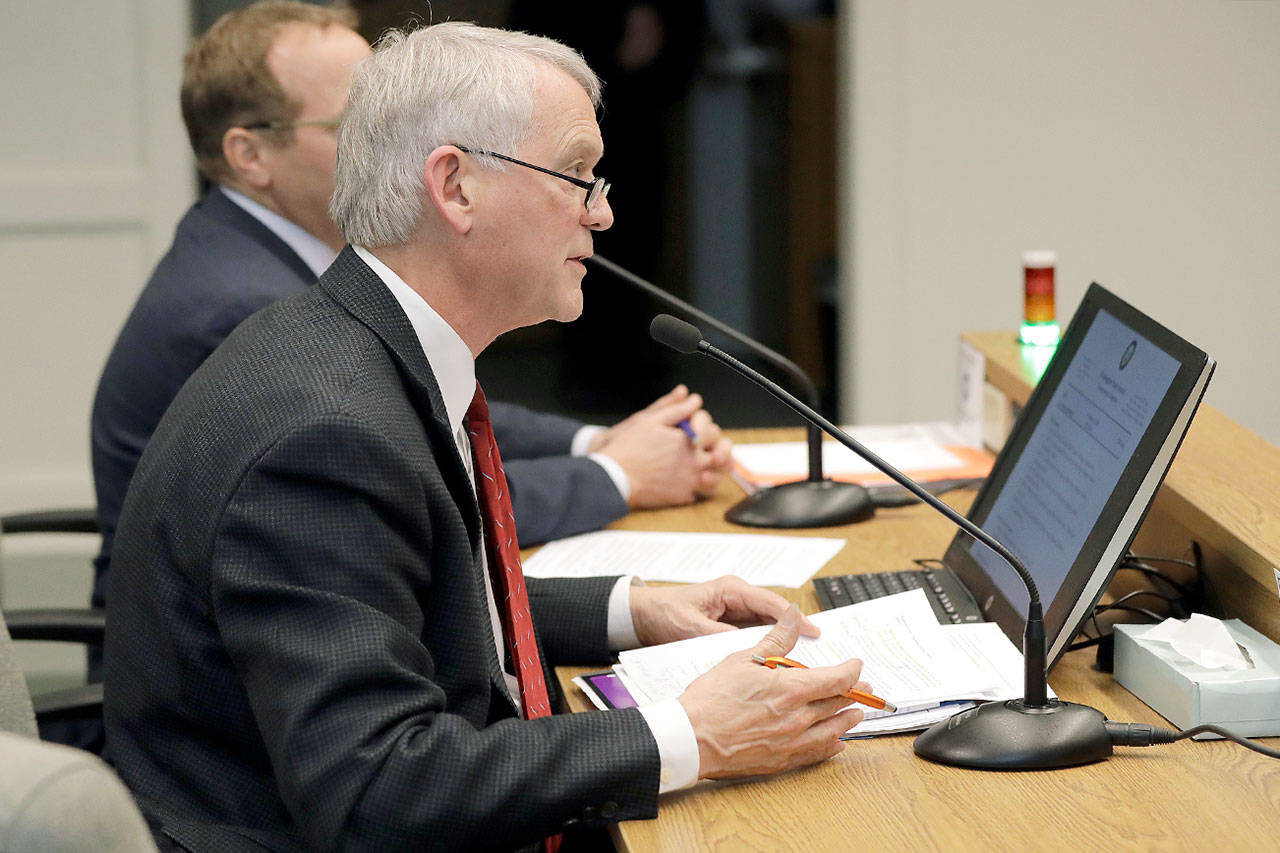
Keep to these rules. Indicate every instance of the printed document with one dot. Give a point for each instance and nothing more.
(929, 671)
(759, 559)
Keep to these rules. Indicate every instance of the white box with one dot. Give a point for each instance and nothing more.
(1186, 694)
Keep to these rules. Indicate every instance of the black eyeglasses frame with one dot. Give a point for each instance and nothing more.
(596, 190)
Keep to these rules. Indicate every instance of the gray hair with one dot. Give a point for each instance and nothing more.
(447, 84)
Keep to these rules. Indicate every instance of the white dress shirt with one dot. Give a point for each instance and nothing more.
(315, 253)
(454, 368)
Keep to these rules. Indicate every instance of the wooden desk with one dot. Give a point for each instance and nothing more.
(877, 794)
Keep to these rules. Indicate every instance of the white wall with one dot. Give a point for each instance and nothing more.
(94, 172)
(1141, 140)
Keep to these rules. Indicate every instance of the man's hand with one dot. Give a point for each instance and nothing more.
(665, 467)
(664, 614)
(751, 720)
(714, 451)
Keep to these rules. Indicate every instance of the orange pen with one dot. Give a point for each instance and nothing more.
(856, 695)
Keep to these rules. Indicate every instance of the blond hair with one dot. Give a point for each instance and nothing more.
(226, 82)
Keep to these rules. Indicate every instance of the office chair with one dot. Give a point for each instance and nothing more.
(54, 798)
(85, 625)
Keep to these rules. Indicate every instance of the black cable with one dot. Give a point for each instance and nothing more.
(1146, 558)
(1097, 629)
(1119, 604)
(1102, 636)
(1144, 734)
(1155, 574)
(1129, 608)
(889, 495)
(1087, 643)
(1137, 592)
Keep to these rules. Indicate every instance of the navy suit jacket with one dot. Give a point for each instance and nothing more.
(222, 267)
(300, 650)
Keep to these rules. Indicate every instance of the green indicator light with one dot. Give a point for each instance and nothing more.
(1039, 334)
(1035, 359)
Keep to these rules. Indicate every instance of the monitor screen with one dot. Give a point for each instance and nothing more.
(1076, 457)
(1081, 465)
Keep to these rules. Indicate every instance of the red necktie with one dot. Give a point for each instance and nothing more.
(504, 561)
(504, 568)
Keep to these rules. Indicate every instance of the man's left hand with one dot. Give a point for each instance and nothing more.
(663, 614)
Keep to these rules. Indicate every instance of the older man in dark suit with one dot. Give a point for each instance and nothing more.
(323, 637)
(262, 92)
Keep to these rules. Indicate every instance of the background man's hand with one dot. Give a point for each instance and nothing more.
(713, 453)
(751, 720)
(664, 467)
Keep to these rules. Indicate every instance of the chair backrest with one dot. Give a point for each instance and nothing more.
(55, 798)
(16, 714)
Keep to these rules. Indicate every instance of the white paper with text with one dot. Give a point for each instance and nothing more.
(906, 657)
(759, 559)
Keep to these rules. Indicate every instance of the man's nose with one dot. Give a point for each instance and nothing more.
(600, 217)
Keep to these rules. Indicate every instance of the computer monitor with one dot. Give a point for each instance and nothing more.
(1081, 466)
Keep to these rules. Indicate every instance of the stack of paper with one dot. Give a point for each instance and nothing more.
(928, 452)
(928, 670)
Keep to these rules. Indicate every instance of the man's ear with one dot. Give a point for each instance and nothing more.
(243, 151)
(451, 184)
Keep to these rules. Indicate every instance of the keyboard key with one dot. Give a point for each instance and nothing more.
(949, 599)
(835, 591)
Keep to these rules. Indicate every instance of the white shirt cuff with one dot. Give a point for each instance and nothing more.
(677, 744)
(615, 472)
(583, 437)
(621, 630)
(582, 440)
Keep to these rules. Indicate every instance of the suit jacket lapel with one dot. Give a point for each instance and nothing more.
(358, 289)
(217, 206)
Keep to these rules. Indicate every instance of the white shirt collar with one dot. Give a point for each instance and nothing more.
(315, 253)
(451, 360)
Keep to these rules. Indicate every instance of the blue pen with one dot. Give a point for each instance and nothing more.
(688, 429)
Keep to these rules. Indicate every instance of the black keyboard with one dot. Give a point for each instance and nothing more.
(951, 602)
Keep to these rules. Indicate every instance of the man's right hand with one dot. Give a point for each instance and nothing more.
(751, 720)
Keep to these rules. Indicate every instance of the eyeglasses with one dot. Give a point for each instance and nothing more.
(327, 124)
(596, 190)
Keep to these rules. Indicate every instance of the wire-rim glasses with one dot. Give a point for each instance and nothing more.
(286, 124)
(596, 190)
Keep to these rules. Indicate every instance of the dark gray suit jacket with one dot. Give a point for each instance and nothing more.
(223, 266)
(300, 649)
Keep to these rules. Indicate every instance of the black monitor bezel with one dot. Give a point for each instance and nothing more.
(1192, 364)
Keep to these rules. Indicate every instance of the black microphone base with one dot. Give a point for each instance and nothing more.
(807, 503)
(1011, 736)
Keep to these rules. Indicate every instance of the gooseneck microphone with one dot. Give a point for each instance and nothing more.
(1033, 732)
(812, 502)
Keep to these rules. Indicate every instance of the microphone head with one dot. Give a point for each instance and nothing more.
(675, 333)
